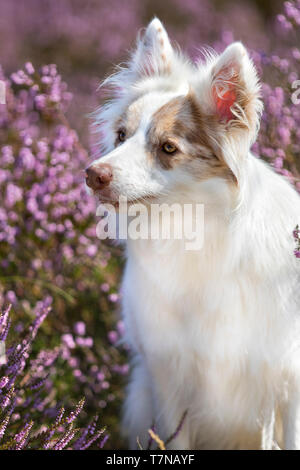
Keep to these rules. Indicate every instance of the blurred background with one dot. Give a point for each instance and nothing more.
(85, 38)
(53, 57)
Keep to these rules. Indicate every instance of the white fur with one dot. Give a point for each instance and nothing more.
(215, 332)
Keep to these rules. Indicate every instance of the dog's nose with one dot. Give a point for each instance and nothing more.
(97, 177)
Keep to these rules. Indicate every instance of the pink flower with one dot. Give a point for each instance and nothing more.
(113, 336)
(80, 328)
(113, 297)
(69, 340)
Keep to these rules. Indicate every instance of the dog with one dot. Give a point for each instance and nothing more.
(213, 332)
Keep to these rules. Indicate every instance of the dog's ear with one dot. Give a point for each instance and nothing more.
(235, 90)
(229, 97)
(154, 53)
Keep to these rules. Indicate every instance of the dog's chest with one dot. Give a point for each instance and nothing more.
(178, 305)
(192, 326)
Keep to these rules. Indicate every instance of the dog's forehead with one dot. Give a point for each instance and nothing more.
(141, 112)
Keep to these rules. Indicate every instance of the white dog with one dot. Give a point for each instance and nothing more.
(216, 331)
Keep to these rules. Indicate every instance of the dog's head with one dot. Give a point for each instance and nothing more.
(171, 125)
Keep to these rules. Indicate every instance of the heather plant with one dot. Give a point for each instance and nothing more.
(84, 40)
(47, 223)
(43, 196)
(279, 138)
(47, 237)
(30, 416)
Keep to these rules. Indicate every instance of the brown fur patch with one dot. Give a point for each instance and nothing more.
(182, 123)
(130, 119)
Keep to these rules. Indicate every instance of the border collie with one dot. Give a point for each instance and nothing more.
(214, 331)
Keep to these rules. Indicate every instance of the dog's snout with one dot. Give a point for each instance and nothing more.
(98, 177)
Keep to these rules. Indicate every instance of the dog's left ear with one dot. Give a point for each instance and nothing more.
(235, 90)
(154, 53)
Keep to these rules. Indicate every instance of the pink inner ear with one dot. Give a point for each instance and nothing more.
(224, 101)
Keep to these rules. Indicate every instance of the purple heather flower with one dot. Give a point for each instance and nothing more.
(3, 381)
(113, 336)
(103, 442)
(11, 297)
(79, 328)
(113, 297)
(105, 287)
(69, 340)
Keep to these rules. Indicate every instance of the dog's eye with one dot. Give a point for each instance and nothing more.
(121, 135)
(169, 148)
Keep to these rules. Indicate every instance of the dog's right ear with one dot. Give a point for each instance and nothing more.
(154, 53)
